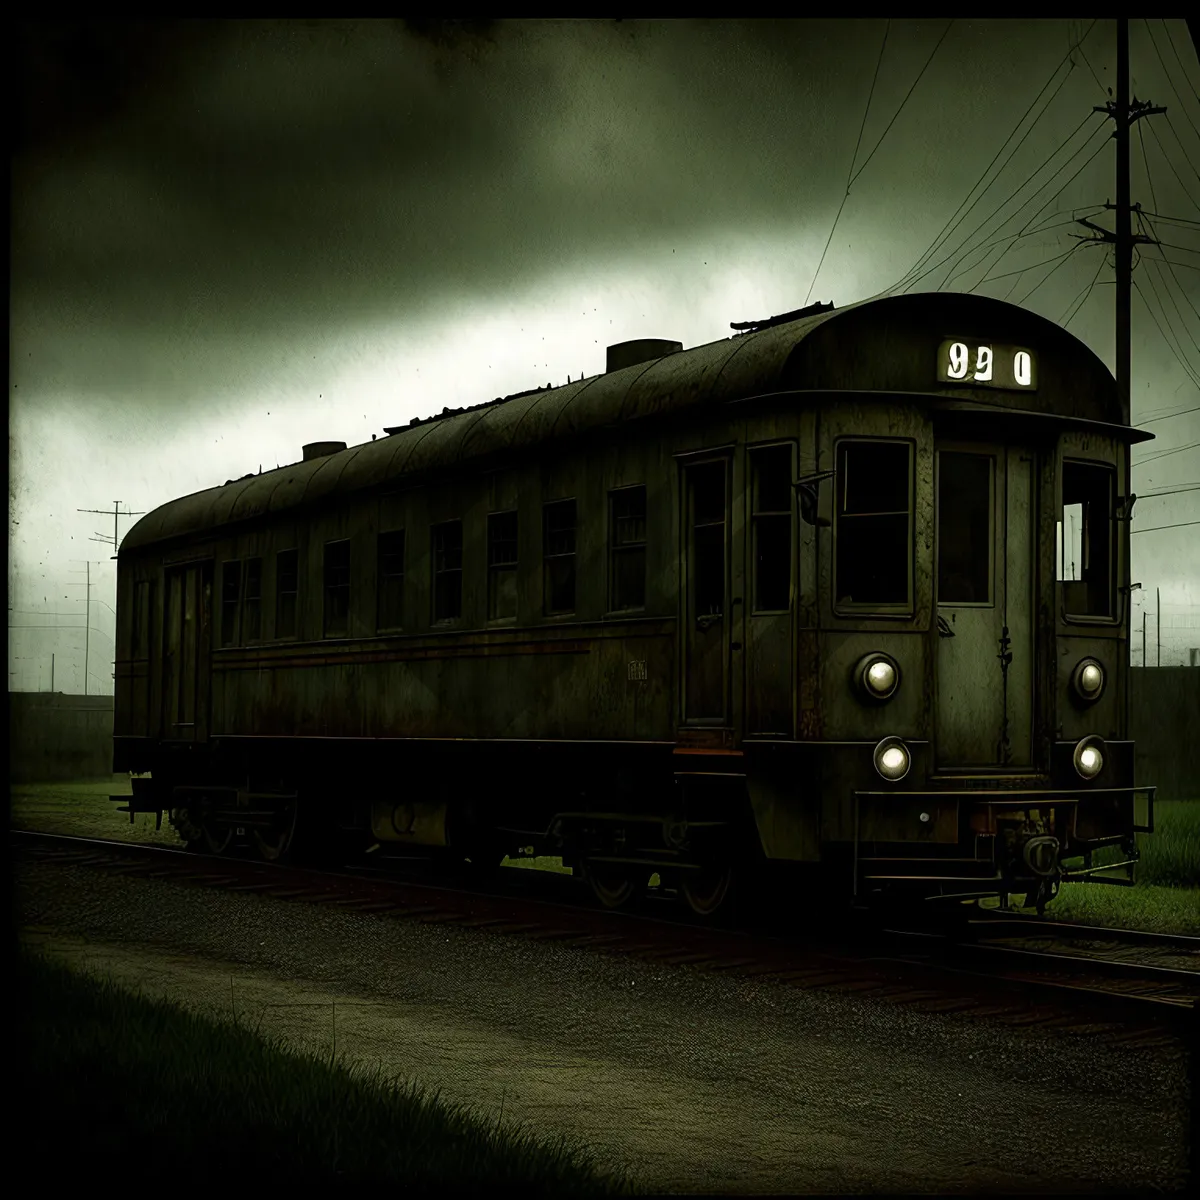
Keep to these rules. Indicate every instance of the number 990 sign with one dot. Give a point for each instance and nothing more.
(977, 364)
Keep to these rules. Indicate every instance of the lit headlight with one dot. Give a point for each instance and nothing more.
(1089, 757)
(1087, 680)
(892, 759)
(877, 676)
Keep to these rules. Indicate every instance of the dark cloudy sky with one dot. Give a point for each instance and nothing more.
(233, 238)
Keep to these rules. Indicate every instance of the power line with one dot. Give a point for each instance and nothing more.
(1182, 290)
(952, 224)
(1155, 528)
(903, 102)
(1016, 191)
(1043, 279)
(1163, 453)
(1170, 296)
(1154, 134)
(1171, 220)
(1151, 421)
(849, 174)
(1085, 293)
(1187, 370)
(1182, 68)
(1170, 491)
(1170, 81)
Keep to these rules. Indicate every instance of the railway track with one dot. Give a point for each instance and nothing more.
(1064, 977)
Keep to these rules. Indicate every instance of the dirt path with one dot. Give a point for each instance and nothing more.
(692, 1082)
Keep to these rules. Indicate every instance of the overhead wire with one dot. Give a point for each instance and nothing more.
(1187, 369)
(1144, 223)
(1152, 420)
(1082, 297)
(1168, 491)
(1163, 453)
(1142, 220)
(961, 249)
(905, 100)
(955, 218)
(1188, 194)
(850, 173)
(1043, 279)
(1167, 73)
(1154, 528)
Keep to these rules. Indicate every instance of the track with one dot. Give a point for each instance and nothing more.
(1066, 977)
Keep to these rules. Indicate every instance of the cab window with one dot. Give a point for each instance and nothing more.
(1085, 556)
(873, 527)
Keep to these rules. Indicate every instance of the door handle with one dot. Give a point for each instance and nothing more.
(943, 628)
(707, 620)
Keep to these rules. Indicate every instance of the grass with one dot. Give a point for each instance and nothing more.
(155, 1092)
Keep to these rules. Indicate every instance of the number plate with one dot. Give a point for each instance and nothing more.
(986, 364)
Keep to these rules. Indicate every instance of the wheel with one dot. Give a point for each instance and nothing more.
(708, 890)
(217, 838)
(275, 843)
(613, 886)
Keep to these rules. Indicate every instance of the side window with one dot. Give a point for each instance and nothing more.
(502, 566)
(771, 515)
(558, 548)
(389, 611)
(447, 571)
(252, 601)
(287, 580)
(231, 593)
(627, 549)
(1085, 539)
(141, 619)
(873, 526)
(337, 588)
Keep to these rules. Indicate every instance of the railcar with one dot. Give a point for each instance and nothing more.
(843, 596)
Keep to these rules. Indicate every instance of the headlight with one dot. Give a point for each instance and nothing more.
(877, 676)
(1089, 757)
(892, 759)
(1087, 680)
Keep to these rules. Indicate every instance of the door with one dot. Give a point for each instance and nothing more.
(984, 581)
(187, 637)
(705, 617)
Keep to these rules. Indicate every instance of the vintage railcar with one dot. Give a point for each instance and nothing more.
(848, 590)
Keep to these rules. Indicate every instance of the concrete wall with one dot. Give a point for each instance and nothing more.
(56, 736)
(1164, 703)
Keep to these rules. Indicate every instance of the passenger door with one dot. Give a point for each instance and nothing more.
(705, 592)
(985, 627)
(187, 643)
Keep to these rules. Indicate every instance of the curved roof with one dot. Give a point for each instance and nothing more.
(875, 345)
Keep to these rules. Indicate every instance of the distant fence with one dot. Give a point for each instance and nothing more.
(55, 736)
(1164, 709)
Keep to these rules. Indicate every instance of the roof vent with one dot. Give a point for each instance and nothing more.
(322, 449)
(630, 354)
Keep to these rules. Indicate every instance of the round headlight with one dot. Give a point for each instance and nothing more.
(877, 676)
(1089, 757)
(1087, 680)
(892, 759)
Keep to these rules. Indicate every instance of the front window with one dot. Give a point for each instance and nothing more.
(1085, 539)
(873, 529)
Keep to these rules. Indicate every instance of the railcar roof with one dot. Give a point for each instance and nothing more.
(880, 344)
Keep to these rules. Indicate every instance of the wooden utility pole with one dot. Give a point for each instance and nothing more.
(115, 540)
(1123, 112)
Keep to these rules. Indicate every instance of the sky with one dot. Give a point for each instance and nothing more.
(233, 238)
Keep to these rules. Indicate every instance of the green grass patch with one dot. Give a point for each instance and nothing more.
(1170, 856)
(143, 1090)
(1146, 906)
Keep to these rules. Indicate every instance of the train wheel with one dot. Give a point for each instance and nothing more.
(216, 838)
(612, 886)
(275, 843)
(708, 890)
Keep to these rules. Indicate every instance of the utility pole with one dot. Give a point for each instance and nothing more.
(1123, 112)
(1158, 633)
(115, 540)
(87, 623)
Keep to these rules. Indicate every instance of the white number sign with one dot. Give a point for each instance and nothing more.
(974, 363)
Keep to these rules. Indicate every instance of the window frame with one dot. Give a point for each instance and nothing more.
(753, 457)
(860, 610)
(246, 639)
(327, 631)
(280, 593)
(381, 577)
(437, 574)
(548, 556)
(497, 567)
(230, 631)
(1110, 468)
(627, 548)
